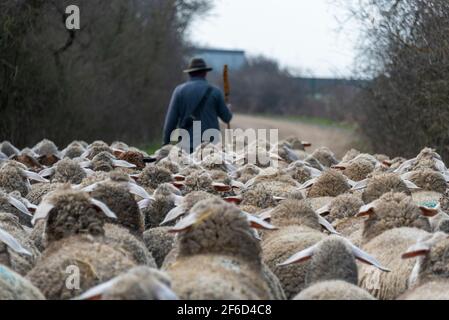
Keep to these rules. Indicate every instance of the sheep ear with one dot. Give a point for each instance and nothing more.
(306, 144)
(266, 215)
(407, 164)
(122, 164)
(340, 166)
(85, 154)
(31, 207)
(90, 188)
(178, 200)
(410, 185)
(96, 293)
(149, 159)
(430, 212)
(12, 242)
(117, 152)
(85, 164)
(185, 224)
(47, 172)
(366, 210)
(366, 258)
(418, 249)
(314, 172)
(179, 177)
(237, 184)
(104, 208)
(324, 223)
(275, 156)
(173, 214)
(308, 184)
(324, 210)
(145, 203)
(360, 185)
(138, 191)
(301, 256)
(440, 165)
(42, 211)
(89, 172)
(135, 177)
(258, 223)
(221, 187)
(387, 163)
(236, 199)
(34, 176)
(279, 198)
(19, 205)
(292, 156)
(178, 184)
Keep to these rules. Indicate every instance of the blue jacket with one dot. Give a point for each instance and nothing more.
(186, 98)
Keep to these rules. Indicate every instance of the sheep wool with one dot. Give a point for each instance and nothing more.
(299, 228)
(380, 184)
(97, 262)
(118, 198)
(429, 180)
(259, 197)
(6, 206)
(13, 179)
(40, 190)
(8, 149)
(219, 239)
(394, 210)
(334, 290)
(359, 170)
(68, 171)
(103, 162)
(139, 283)
(299, 172)
(349, 155)
(344, 206)
(331, 183)
(14, 287)
(159, 242)
(119, 237)
(153, 176)
(18, 262)
(325, 157)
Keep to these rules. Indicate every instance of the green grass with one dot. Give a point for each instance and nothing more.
(151, 148)
(325, 122)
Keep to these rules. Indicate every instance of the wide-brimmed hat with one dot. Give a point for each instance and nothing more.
(197, 64)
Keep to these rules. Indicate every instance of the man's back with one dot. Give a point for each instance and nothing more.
(185, 101)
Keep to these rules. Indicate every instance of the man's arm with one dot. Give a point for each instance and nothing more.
(223, 111)
(171, 120)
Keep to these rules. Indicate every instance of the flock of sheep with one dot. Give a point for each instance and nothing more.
(106, 221)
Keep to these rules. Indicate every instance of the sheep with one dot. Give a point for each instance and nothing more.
(380, 184)
(276, 182)
(47, 152)
(159, 242)
(134, 157)
(66, 171)
(394, 223)
(218, 236)
(246, 172)
(429, 280)
(428, 179)
(203, 181)
(325, 157)
(186, 204)
(169, 165)
(13, 203)
(15, 177)
(358, 170)
(314, 163)
(343, 206)
(40, 190)
(349, 155)
(153, 176)
(299, 227)
(74, 150)
(139, 283)
(297, 144)
(301, 172)
(29, 159)
(8, 149)
(331, 183)
(166, 197)
(95, 262)
(95, 149)
(14, 287)
(333, 260)
(105, 161)
(22, 260)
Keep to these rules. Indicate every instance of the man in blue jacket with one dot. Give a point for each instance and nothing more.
(196, 100)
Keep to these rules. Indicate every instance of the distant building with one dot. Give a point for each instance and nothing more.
(319, 87)
(217, 58)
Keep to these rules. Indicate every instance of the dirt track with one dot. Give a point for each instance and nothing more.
(339, 140)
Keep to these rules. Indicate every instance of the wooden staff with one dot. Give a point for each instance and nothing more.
(227, 87)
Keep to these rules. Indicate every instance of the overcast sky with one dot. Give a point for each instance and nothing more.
(304, 35)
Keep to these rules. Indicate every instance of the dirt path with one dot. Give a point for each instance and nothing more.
(339, 140)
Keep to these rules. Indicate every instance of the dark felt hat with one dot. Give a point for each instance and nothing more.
(197, 64)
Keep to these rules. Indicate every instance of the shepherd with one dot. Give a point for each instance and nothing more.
(196, 100)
